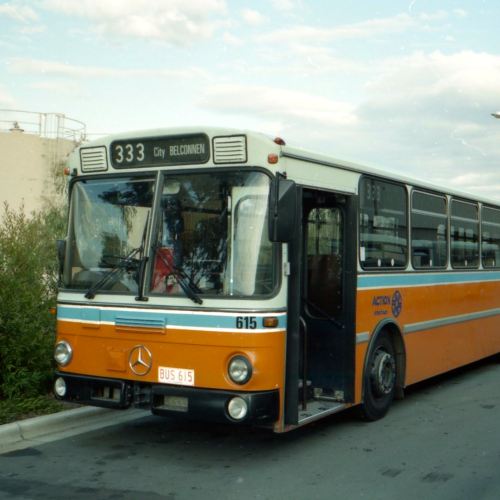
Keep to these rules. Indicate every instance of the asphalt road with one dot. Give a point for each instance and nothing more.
(441, 442)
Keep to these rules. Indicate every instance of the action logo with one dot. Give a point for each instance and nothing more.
(397, 303)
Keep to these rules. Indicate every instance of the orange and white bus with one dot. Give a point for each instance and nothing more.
(222, 275)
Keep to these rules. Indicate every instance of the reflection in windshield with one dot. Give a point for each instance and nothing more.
(208, 236)
(107, 221)
(214, 230)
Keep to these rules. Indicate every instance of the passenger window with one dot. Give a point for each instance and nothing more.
(382, 225)
(464, 235)
(429, 247)
(490, 246)
(324, 261)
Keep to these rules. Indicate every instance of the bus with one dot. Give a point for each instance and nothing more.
(222, 275)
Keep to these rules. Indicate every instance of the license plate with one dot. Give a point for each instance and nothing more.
(176, 376)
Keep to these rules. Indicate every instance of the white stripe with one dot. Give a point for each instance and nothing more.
(176, 327)
(452, 320)
(169, 311)
(362, 338)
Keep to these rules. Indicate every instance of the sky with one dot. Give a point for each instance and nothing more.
(405, 84)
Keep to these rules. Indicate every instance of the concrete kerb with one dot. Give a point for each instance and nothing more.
(26, 433)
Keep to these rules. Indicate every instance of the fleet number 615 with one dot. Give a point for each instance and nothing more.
(248, 322)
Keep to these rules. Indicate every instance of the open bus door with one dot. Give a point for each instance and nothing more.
(321, 307)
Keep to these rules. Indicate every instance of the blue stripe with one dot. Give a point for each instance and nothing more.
(145, 317)
(425, 279)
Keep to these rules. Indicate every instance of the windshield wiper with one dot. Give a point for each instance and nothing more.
(185, 282)
(127, 263)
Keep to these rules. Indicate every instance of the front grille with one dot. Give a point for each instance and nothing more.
(150, 325)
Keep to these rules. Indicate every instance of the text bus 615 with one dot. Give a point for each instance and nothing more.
(222, 275)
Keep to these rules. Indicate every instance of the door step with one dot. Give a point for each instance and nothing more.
(318, 409)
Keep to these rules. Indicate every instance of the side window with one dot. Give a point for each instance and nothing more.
(382, 224)
(429, 247)
(490, 237)
(464, 234)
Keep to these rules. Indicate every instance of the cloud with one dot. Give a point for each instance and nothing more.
(276, 103)
(33, 30)
(427, 116)
(253, 17)
(366, 29)
(283, 4)
(178, 22)
(467, 76)
(460, 13)
(18, 13)
(68, 88)
(54, 68)
(472, 178)
(231, 39)
(6, 98)
(313, 60)
(436, 16)
(318, 60)
(431, 115)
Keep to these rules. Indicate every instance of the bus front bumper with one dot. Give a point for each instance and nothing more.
(256, 408)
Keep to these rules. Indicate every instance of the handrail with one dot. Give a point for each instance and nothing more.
(304, 364)
(46, 125)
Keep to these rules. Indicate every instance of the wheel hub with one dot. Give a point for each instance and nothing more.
(383, 373)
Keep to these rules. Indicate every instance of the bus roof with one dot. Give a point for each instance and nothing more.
(295, 152)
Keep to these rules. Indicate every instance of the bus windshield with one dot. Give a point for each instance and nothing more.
(108, 218)
(212, 232)
(208, 235)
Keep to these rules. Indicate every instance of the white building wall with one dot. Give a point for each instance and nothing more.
(27, 158)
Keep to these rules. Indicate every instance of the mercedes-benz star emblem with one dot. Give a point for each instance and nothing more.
(140, 360)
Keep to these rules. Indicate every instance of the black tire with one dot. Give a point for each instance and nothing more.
(379, 379)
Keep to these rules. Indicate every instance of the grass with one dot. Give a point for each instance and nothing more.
(15, 409)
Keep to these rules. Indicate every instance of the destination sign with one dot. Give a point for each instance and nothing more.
(156, 151)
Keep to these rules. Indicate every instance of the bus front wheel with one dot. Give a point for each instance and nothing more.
(379, 380)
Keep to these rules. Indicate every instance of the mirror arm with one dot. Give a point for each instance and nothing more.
(279, 176)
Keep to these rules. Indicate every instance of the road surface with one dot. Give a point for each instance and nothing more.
(441, 442)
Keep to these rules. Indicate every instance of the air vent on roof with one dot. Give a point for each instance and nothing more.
(231, 149)
(93, 159)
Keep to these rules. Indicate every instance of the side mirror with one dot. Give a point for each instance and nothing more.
(61, 254)
(282, 210)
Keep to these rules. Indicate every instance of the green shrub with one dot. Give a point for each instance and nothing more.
(28, 288)
(21, 407)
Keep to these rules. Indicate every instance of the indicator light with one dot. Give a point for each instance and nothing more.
(272, 158)
(270, 322)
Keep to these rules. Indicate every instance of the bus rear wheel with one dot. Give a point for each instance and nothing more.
(379, 381)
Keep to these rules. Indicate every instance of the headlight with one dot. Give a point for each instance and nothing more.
(237, 408)
(63, 353)
(60, 387)
(239, 370)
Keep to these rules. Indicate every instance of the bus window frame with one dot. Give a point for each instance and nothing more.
(450, 233)
(446, 218)
(406, 250)
(277, 252)
(70, 233)
(482, 223)
(319, 314)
